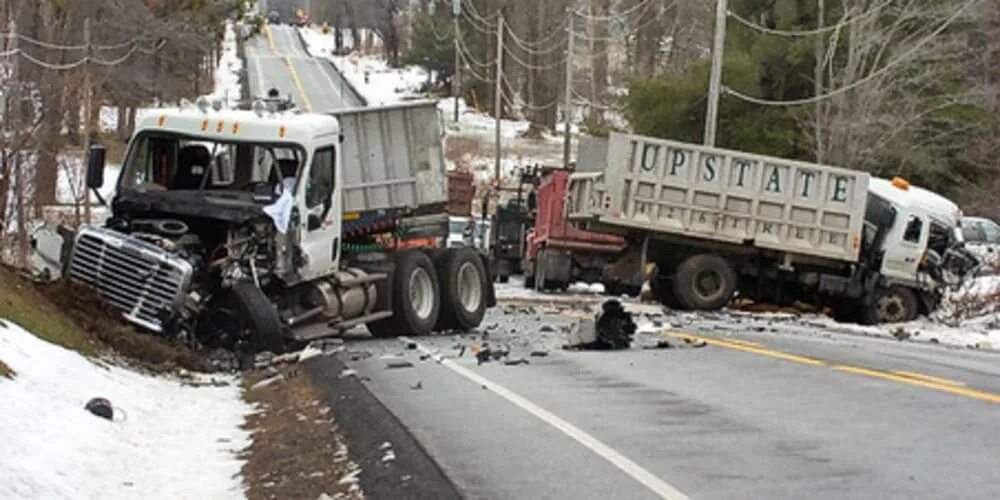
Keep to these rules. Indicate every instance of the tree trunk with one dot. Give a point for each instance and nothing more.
(598, 60)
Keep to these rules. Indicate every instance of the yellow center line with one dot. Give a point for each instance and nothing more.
(291, 69)
(903, 377)
(970, 393)
(743, 342)
(928, 378)
(756, 350)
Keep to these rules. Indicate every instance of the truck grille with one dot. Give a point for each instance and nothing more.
(143, 281)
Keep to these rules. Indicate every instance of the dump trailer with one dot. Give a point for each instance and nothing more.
(255, 229)
(717, 223)
(558, 253)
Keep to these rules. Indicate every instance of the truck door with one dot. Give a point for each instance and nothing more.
(905, 247)
(319, 201)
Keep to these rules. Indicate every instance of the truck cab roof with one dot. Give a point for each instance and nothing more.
(258, 126)
(913, 198)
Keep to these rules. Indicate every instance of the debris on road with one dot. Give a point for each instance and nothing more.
(348, 373)
(612, 329)
(419, 385)
(515, 362)
(539, 354)
(398, 363)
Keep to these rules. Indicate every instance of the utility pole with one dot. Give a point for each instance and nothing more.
(818, 81)
(497, 101)
(568, 112)
(715, 83)
(456, 11)
(88, 109)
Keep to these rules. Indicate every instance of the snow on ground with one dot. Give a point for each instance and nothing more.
(383, 85)
(168, 439)
(227, 74)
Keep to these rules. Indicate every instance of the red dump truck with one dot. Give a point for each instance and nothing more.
(557, 253)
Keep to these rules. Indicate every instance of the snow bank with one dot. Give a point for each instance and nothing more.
(168, 440)
(227, 74)
(384, 85)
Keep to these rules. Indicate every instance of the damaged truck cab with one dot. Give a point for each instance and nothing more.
(227, 231)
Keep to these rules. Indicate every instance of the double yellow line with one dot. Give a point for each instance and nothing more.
(902, 377)
(291, 69)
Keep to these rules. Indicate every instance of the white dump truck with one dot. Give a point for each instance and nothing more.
(719, 223)
(247, 229)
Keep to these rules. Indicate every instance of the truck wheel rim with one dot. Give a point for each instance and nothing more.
(708, 284)
(470, 290)
(421, 293)
(891, 309)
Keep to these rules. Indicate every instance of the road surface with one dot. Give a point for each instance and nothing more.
(763, 410)
(277, 59)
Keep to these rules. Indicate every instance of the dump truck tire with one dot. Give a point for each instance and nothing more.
(463, 281)
(258, 317)
(415, 298)
(704, 282)
(894, 304)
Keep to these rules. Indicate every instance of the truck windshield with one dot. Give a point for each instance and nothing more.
(170, 162)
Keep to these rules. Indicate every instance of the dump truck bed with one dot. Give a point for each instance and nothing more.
(553, 230)
(667, 188)
(392, 157)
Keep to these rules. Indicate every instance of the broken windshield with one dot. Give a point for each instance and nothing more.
(171, 162)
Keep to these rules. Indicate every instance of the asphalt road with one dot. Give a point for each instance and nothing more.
(277, 59)
(763, 411)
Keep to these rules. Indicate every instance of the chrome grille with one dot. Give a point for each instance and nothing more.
(143, 281)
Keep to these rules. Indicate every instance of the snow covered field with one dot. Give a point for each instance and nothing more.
(169, 439)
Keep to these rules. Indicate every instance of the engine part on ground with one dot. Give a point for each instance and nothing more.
(463, 281)
(612, 329)
(101, 407)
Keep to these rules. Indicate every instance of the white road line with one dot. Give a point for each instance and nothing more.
(632, 469)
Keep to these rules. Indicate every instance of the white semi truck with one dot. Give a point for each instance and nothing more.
(719, 223)
(249, 229)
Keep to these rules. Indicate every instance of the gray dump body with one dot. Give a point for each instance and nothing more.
(672, 189)
(393, 157)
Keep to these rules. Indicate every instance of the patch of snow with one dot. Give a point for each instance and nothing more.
(172, 440)
(227, 73)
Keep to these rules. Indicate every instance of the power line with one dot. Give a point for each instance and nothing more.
(807, 33)
(616, 16)
(474, 12)
(847, 88)
(535, 67)
(525, 46)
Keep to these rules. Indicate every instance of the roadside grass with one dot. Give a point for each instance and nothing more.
(22, 303)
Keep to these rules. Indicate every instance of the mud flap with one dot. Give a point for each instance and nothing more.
(491, 295)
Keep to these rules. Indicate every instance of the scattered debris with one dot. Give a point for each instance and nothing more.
(101, 407)
(612, 329)
(483, 355)
(546, 328)
(418, 386)
(900, 334)
(398, 363)
(539, 354)
(268, 381)
(411, 345)
(515, 362)
(348, 373)
(662, 344)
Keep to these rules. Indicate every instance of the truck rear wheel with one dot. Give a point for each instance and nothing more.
(704, 282)
(415, 298)
(462, 280)
(895, 304)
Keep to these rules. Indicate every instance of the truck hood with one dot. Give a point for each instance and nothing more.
(229, 206)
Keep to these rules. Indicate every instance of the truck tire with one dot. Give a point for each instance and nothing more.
(462, 280)
(704, 282)
(258, 318)
(895, 304)
(415, 298)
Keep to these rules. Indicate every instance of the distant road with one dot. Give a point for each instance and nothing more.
(277, 59)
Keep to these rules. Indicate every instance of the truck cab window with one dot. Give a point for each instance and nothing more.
(914, 227)
(319, 189)
(991, 232)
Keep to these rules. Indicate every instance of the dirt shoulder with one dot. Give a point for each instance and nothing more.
(298, 450)
(71, 315)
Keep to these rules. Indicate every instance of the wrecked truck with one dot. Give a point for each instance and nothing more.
(251, 229)
(718, 223)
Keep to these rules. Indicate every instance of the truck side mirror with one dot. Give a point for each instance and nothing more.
(95, 166)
